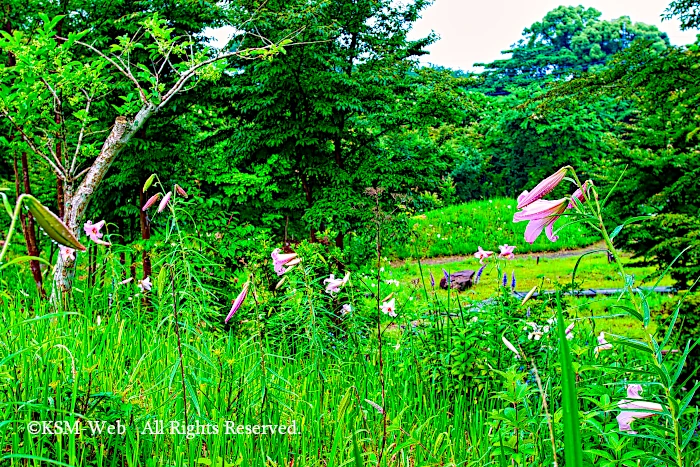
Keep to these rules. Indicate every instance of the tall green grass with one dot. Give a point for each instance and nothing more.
(460, 229)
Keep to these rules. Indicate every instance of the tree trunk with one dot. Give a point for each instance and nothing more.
(27, 222)
(76, 203)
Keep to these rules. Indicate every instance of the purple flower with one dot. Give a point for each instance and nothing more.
(512, 280)
(432, 280)
(505, 279)
(478, 274)
(447, 276)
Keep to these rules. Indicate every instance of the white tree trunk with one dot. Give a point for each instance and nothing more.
(77, 202)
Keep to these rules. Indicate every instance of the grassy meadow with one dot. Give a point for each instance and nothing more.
(377, 368)
(460, 229)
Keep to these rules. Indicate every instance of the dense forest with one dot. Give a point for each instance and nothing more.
(286, 141)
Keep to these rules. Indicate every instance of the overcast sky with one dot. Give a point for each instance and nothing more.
(476, 31)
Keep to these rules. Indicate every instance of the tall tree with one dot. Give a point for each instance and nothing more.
(568, 40)
(75, 76)
(306, 132)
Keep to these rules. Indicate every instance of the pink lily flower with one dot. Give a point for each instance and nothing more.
(542, 189)
(346, 309)
(144, 284)
(284, 259)
(334, 284)
(389, 308)
(238, 302)
(67, 253)
(602, 344)
(569, 331)
(93, 231)
(626, 417)
(542, 214)
(506, 251)
(481, 254)
(164, 202)
(151, 201)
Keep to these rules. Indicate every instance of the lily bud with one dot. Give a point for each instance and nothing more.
(149, 182)
(151, 201)
(164, 203)
(51, 224)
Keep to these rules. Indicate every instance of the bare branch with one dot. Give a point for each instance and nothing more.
(177, 87)
(57, 101)
(28, 141)
(127, 74)
(82, 133)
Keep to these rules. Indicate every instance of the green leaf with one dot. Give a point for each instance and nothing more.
(619, 228)
(573, 451)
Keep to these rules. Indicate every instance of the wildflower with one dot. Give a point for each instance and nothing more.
(510, 346)
(512, 280)
(238, 301)
(432, 280)
(505, 279)
(506, 251)
(481, 254)
(164, 202)
(334, 284)
(280, 260)
(93, 231)
(626, 417)
(145, 284)
(569, 331)
(389, 308)
(602, 343)
(346, 309)
(536, 333)
(126, 281)
(447, 276)
(392, 281)
(180, 191)
(67, 253)
(151, 201)
(478, 274)
(542, 189)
